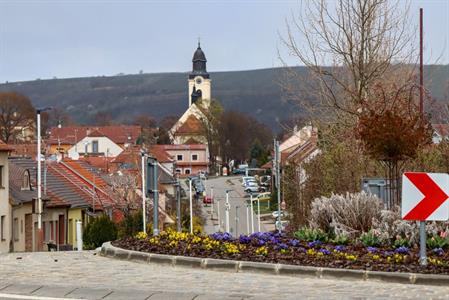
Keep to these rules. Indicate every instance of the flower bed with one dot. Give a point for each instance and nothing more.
(286, 249)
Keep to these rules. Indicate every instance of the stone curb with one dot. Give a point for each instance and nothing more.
(108, 250)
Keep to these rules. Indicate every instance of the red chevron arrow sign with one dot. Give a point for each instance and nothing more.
(425, 196)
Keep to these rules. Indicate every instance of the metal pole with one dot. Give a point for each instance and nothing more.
(39, 181)
(211, 202)
(252, 213)
(421, 68)
(156, 200)
(247, 218)
(237, 221)
(178, 206)
(227, 212)
(258, 214)
(191, 205)
(422, 243)
(278, 181)
(218, 214)
(144, 209)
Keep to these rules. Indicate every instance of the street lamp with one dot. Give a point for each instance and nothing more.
(252, 213)
(237, 221)
(152, 182)
(39, 175)
(144, 209)
(191, 205)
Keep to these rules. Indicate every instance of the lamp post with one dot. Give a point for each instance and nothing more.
(237, 221)
(191, 205)
(211, 202)
(144, 208)
(247, 217)
(39, 175)
(252, 214)
(152, 182)
(258, 214)
(218, 214)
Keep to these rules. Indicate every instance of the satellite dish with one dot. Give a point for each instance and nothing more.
(75, 156)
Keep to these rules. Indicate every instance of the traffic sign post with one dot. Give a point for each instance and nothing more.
(424, 198)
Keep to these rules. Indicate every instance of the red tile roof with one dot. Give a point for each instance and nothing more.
(119, 134)
(441, 129)
(5, 147)
(191, 126)
(185, 147)
(160, 153)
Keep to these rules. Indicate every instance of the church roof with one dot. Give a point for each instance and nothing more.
(199, 54)
(191, 126)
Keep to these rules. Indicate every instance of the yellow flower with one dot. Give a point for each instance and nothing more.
(154, 240)
(311, 252)
(141, 235)
(230, 248)
(262, 251)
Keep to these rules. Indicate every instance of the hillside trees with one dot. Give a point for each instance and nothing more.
(16, 112)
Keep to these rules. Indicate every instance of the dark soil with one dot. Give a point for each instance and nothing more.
(302, 253)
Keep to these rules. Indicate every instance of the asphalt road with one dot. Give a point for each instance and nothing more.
(239, 214)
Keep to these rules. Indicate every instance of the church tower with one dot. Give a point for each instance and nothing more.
(199, 81)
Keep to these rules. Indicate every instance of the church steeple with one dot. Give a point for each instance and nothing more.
(199, 63)
(199, 80)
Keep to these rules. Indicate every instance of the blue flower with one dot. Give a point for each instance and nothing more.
(372, 249)
(324, 251)
(340, 248)
(314, 244)
(293, 242)
(282, 246)
(402, 250)
(261, 242)
(244, 239)
(438, 251)
(222, 236)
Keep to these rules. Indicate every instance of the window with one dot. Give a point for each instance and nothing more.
(2, 228)
(179, 157)
(1, 177)
(16, 229)
(178, 171)
(187, 171)
(95, 146)
(26, 181)
(194, 156)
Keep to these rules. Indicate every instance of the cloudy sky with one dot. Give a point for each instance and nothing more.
(74, 38)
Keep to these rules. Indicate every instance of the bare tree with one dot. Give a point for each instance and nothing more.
(16, 112)
(348, 46)
(125, 186)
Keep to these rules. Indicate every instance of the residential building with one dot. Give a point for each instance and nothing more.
(104, 141)
(5, 205)
(440, 133)
(189, 159)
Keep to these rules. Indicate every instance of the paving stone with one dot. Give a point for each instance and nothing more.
(21, 289)
(53, 291)
(173, 296)
(89, 293)
(124, 295)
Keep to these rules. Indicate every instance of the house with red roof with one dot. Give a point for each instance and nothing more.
(100, 141)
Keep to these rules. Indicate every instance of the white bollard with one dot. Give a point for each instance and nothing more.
(79, 235)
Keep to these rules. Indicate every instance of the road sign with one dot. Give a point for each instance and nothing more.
(425, 196)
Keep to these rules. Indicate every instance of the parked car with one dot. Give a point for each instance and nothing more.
(275, 214)
(252, 188)
(238, 171)
(208, 200)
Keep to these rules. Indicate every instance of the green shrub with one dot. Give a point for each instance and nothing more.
(437, 241)
(310, 234)
(131, 224)
(100, 230)
(401, 242)
(341, 240)
(370, 239)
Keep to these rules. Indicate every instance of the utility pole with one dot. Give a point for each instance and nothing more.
(178, 205)
(152, 182)
(191, 206)
(278, 182)
(247, 218)
(252, 213)
(211, 202)
(218, 214)
(237, 221)
(144, 208)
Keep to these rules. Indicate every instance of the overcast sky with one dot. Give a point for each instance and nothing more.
(46, 39)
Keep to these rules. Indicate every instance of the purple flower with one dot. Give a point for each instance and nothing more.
(282, 246)
(402, 250)
(340, 248)
(274, 240)
(244, 239)
(261, 236)
(438, 251)
(293, 242)
(314, 244)
(221, 236)
(372, 249)
(261, 242)
(324, 251)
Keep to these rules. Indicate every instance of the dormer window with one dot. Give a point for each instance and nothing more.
(26, 185)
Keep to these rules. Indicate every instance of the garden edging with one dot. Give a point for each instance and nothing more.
(108, 250)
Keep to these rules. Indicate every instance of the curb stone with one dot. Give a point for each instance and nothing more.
(107, 250)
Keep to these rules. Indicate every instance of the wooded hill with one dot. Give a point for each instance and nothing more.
(255, 92)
